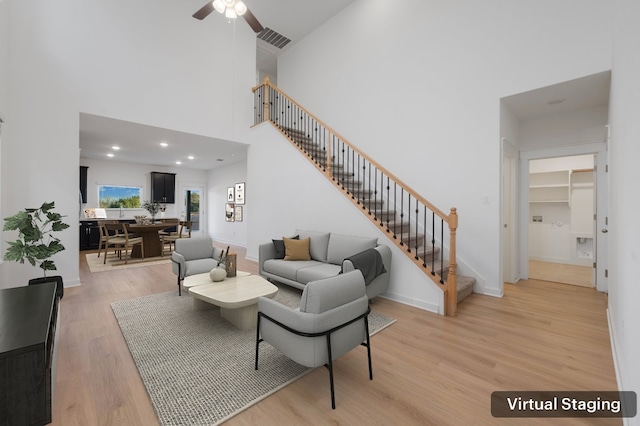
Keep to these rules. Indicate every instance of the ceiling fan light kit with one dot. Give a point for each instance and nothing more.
(230, 8)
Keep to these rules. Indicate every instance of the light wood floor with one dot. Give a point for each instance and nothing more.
(428, 369)
(561, 273)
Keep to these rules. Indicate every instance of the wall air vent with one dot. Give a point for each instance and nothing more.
(273, 38)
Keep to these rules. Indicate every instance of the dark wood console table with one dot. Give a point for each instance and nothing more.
(28, 323)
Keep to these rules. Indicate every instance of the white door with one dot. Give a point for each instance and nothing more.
(192, 208)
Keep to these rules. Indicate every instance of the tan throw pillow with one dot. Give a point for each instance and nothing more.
(296, 249)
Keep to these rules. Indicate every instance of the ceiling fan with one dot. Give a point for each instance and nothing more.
(231, 9)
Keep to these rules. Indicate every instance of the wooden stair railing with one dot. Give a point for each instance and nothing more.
(412, 223)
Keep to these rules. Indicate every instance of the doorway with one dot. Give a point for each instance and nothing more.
(192, 201)
(549, 189)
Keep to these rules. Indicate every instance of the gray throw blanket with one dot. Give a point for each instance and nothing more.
(369, 262)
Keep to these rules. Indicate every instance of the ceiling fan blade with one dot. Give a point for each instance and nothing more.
(252, 21)
(204, 11)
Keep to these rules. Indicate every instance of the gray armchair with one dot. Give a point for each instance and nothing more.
(194, 256)
(331, 321)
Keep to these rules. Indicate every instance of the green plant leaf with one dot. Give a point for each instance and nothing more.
(45, 207)
(14, 222)
(59, 226)
(48, 265)
(15, 252)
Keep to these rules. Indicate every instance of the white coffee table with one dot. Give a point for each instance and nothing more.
(237, 298)
(201, 279)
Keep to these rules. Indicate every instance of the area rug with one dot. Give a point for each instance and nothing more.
(197, 368)
(114, 263)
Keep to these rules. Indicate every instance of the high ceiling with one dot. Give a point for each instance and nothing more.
(139, 144)
(293, 19)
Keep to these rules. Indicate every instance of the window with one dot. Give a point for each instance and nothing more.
(115, 196)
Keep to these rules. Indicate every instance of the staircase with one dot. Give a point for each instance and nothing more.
(410, 222)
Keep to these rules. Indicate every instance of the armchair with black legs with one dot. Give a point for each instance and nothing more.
(331, 321)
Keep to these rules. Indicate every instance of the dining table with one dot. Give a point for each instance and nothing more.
(150, 238)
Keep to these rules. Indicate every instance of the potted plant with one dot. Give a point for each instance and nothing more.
(153, 207)
(35, 242)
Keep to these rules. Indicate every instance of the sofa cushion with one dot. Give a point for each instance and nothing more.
(343, 246)
(279, 246)
(200, 266)
(319, 243)
(319, 272)
(296, 249)
(286, 269)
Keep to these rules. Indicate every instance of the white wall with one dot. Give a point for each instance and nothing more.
(146, 61)
(571, 128)
(219, 180)
(624, 227)
(420, 92)
(4, 92)
(118, 173)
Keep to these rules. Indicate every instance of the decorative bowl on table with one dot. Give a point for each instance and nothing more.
(218, 274)
(139, 219)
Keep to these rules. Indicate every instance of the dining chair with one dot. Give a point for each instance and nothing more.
(113, 239)
(102, 244)
(131, 241)
(171, 238)
(121, 240)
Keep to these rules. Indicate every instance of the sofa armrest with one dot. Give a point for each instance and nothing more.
(178, 264)
(385, 254)
(266, 252)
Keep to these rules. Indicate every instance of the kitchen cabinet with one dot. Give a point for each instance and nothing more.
(163, 187)
(83, 182)
(89, 235)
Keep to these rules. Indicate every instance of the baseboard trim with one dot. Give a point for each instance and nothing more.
(614, 350)
(421, 304)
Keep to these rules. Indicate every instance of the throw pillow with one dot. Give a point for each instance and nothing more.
(279, 246)
(296, 249)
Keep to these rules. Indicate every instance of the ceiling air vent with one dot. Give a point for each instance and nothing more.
(273, 38)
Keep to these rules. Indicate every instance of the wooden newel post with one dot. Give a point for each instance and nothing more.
(265, 109)
(451, 308)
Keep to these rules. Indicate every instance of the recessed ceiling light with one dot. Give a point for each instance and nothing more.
(178, 162)
(191, 157)
(115, 147)
(109, 155)
(164, 144)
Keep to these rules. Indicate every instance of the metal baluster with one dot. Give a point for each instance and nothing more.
(441, 251)
(433, 243)
(424, 239)
(417, 222)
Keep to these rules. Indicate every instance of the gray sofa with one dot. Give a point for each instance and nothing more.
(328, 253)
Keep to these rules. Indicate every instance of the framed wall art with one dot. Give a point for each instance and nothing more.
(238, 214)
(230, 195)
(229, 212)
(239, 190)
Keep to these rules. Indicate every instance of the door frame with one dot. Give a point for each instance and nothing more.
(599, 149)
(509, 216)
